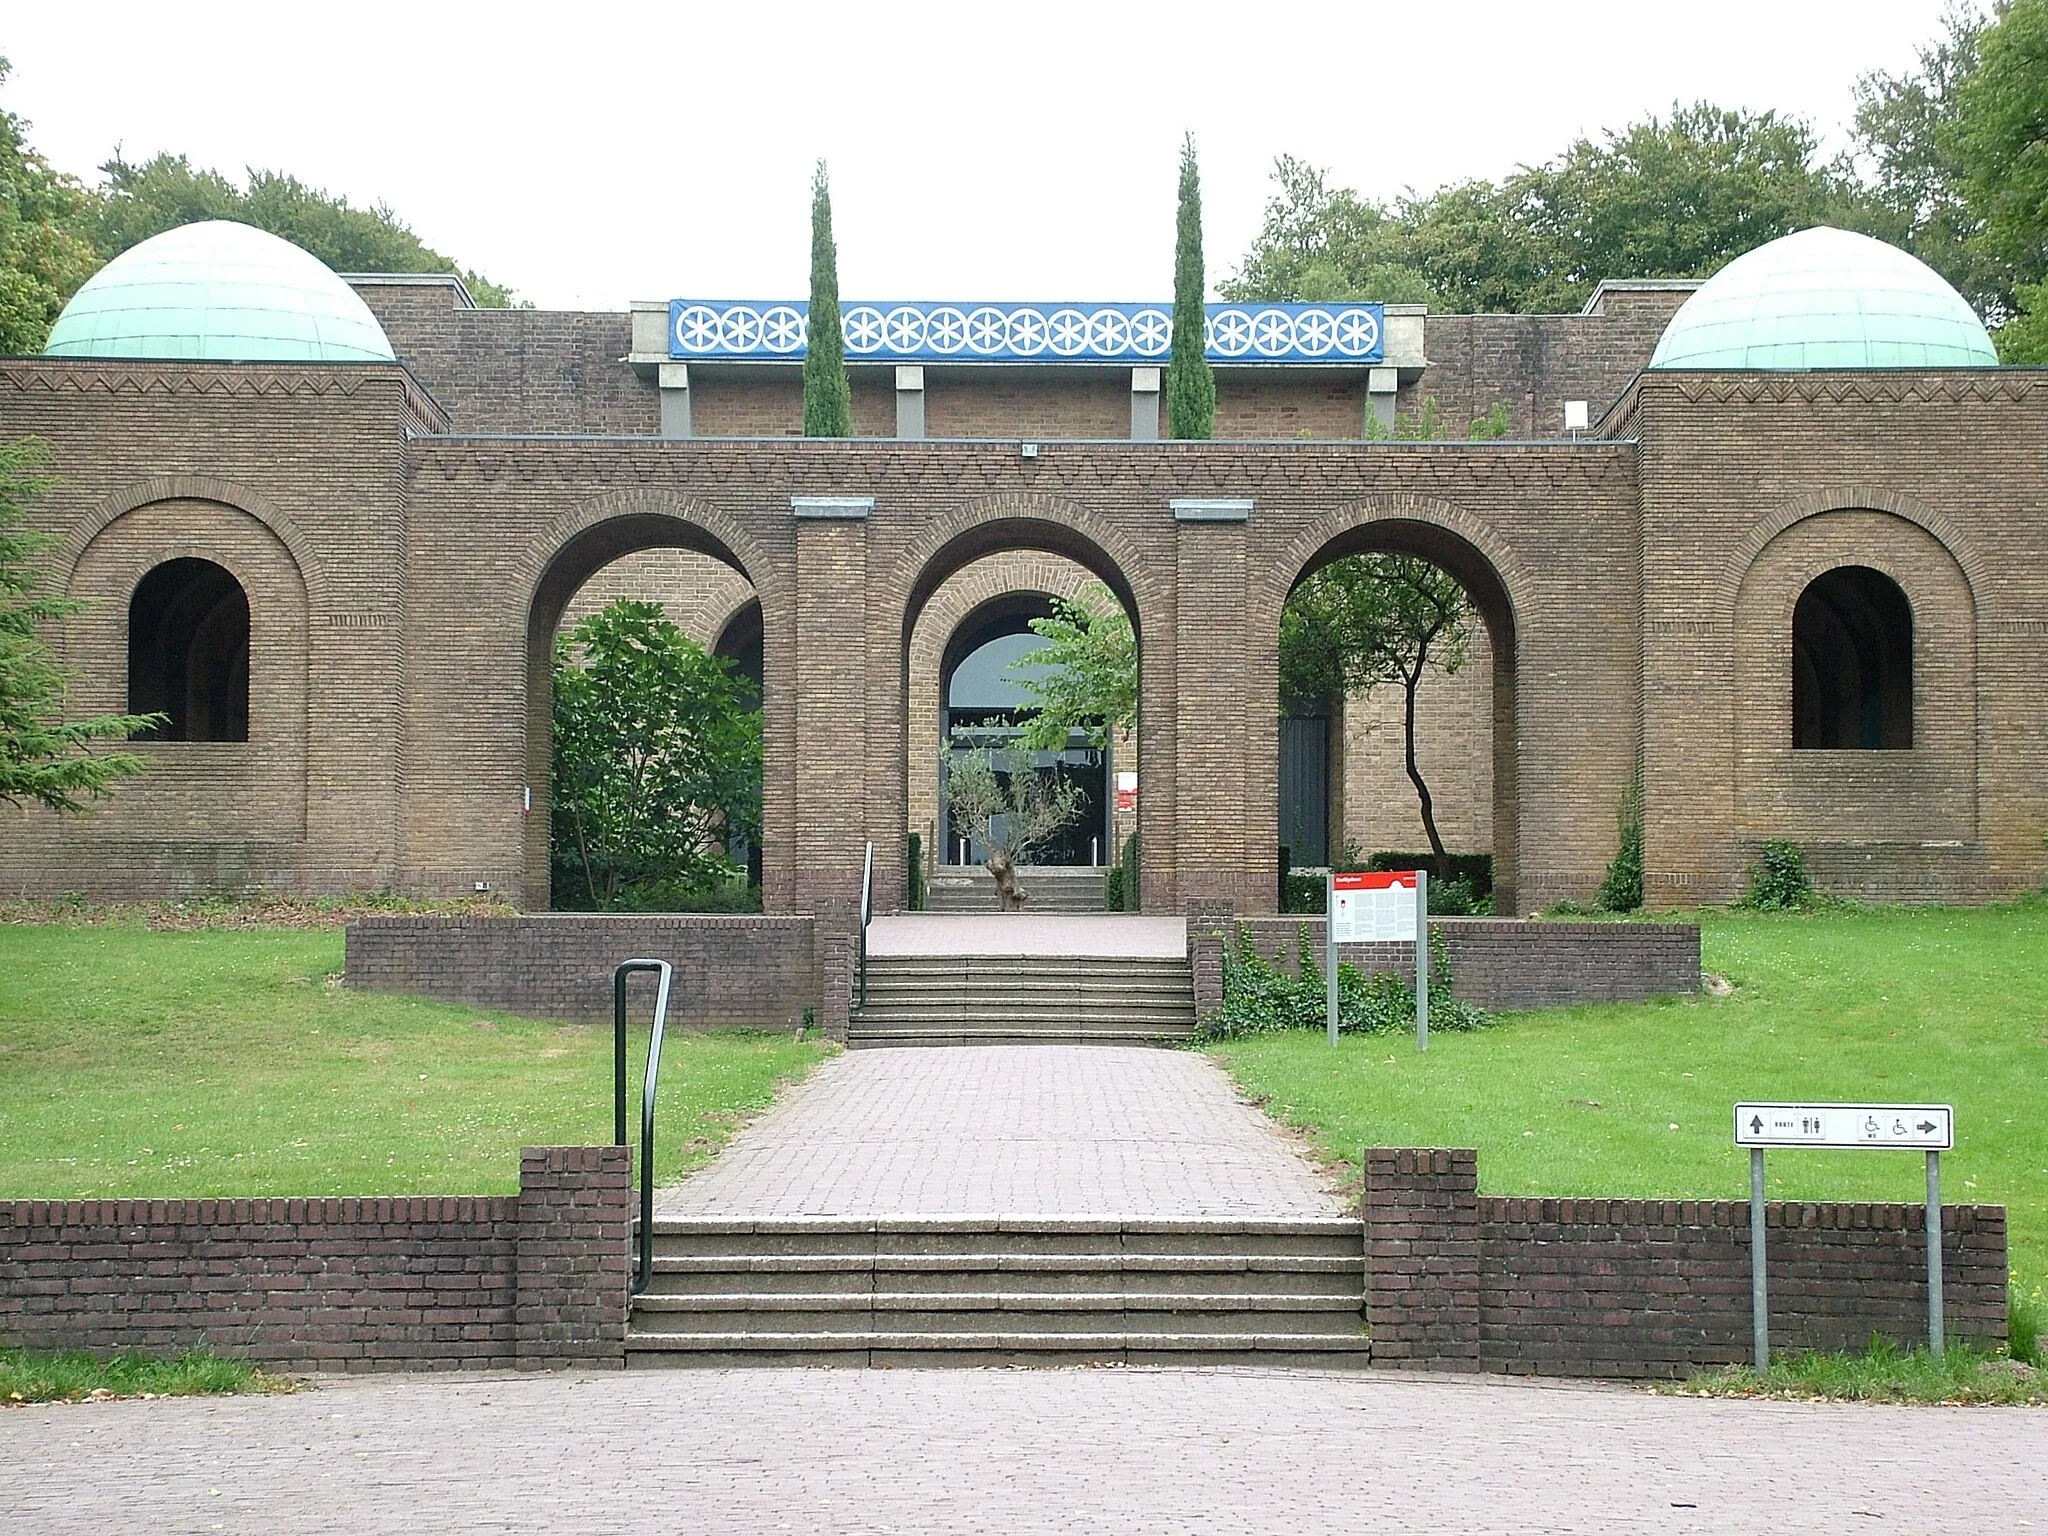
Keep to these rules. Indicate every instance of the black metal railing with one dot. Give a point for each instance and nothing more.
(867, 915)
(644, 1269)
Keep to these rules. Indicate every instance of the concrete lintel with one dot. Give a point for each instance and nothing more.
(1211, 509)
(838, 508)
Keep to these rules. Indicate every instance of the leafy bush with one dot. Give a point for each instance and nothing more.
(914, 892)
(1260, 997)
(1304, 892)
(1622, 890)
(1475, 869)
(1130, 868)
(734, 896)
(1113, 888)
(1777, 880)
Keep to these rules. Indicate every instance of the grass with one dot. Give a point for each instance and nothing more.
(75, 1376)
(1886, 1374)
(149, 1061)
(1943, 1005)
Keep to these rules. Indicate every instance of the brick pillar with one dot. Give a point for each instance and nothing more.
(1422, 1257)
(1205, 960)
(835, 952)
(833, 735)
(1218, 725)
(575, 1213)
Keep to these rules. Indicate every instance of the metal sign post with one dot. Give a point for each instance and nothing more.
(1898, 1127)
(1422, 960)
(1389, 906)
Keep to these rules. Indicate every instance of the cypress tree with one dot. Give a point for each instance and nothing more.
(1190, 386)
(828, 398)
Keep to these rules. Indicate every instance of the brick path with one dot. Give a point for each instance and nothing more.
(1206, 1451)
(1009, 1130)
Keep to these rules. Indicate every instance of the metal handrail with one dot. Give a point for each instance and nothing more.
(644, 1271)
(867, 915)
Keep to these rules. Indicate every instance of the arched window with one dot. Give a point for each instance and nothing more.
(1852, 663)
(188, 652)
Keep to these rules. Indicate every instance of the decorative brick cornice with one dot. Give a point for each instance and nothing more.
(1872, 386)
(174, 377)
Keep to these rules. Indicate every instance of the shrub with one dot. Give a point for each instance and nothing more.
(1261, 998)
(1304, 892)
(1130, 865)
(914, 892)
(1113, 888)
(1777, 880)
(1475, 869)
(1622, 890)
(677, 896)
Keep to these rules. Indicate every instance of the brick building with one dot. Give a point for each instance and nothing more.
(1778, 542)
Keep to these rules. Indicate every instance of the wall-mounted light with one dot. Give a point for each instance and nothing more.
(1027, 450)
(483, 887)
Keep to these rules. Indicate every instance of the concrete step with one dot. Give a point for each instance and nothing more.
(1005, 1311)
(975, 1000)
(881, 1348)
(1047, 888)
(887, 1242)
(1113, 1274)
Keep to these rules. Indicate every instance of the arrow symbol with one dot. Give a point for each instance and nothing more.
(1927, 1127)
(1756, 1125)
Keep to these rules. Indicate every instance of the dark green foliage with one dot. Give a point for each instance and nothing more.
(44, 759)
(1260, 997)
(1304, 893)
(1130, 870)
(1190, 385)
(1087, 678)
(828, 397)
(1998, 137)
(1622, 890)
(1113, 888)
(657, 763)
(44, 253)
(1665, 197)
(137, 201)
(914, 890)
(1777, 880)
(1473, 869)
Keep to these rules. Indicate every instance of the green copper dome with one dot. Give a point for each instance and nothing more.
(220, 291)
(1825, 298)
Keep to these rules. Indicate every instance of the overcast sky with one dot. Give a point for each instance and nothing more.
(590, 154)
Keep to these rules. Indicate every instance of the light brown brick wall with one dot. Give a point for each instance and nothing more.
(1454, 749)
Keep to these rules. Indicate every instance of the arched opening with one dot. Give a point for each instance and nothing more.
(702, 590)
(188, 652)
(983, 707)
(1852, 663)
(968, 617)
(1372, 753)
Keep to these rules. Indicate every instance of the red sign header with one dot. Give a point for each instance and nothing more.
(1375, 880)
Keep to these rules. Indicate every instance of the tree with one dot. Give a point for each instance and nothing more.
(1010, 818)
(1086, 678)
(1365, 621)
(657, 761)
(44, 253)
(44, 759)
(1999, 136)
(1665, 197)
(828, 397)
(137, 201)
(1190, 384)
(1905, 152)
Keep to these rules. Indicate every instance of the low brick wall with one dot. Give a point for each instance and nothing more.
(1649, 1287)
(1502, 963)
(740, 972)
(533, 1279)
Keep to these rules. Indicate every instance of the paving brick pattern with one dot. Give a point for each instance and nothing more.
(1012, 1130)
(1129, 1450)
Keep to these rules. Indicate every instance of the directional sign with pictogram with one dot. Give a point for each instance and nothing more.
(1902, 1127)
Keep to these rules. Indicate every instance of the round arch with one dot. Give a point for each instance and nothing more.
(572, 550)
(1457, 542)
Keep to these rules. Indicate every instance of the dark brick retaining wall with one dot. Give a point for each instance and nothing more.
(1505, 962)
(533, 1279)
(730, 972)
(1649, 1287)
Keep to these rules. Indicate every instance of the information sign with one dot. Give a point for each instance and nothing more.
(1904, 1127)
(1371, 907)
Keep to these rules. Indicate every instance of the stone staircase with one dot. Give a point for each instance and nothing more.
(948, 1290)
(1012, 1000)
(1047, 888)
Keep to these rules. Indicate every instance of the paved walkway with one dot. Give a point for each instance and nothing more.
(1090, 935)
(1030, 1130)
(1138, 1451)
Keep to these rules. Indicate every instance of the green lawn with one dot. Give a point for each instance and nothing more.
(230, 1062)
(1911, 1004)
